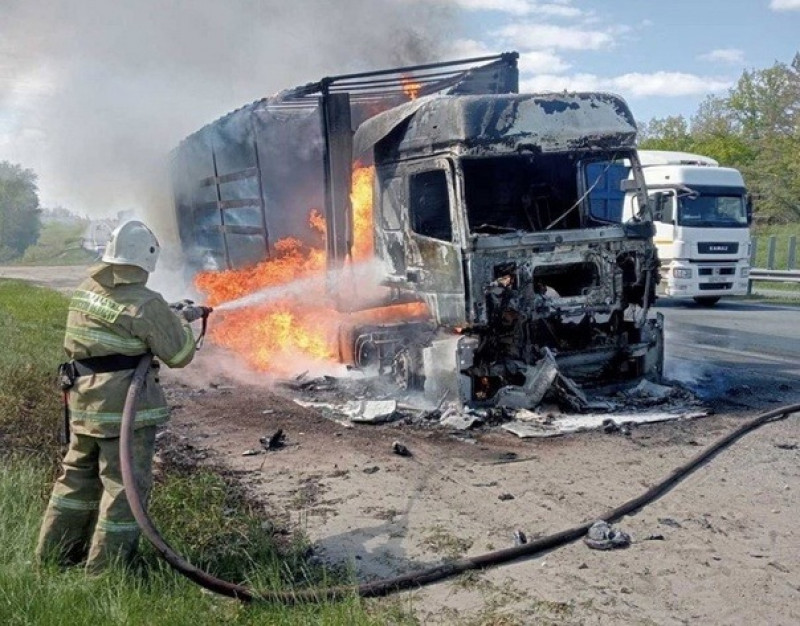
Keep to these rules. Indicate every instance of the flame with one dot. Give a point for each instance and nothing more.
(361, 200)
(411, 88)
(316, 221)
(281, 336)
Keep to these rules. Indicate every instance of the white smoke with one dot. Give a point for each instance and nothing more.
(94, 94)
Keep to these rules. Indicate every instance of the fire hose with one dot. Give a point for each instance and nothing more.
(414, 579)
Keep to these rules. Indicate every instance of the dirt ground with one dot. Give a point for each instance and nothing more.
(721, 548)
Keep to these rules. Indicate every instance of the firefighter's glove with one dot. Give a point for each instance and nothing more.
(191, 313)
(180, 305)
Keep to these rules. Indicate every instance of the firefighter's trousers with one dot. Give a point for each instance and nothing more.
(88, 516)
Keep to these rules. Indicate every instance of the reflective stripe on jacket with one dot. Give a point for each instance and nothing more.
(113, 312)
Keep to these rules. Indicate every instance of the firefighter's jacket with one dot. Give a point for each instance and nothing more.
(112, 312)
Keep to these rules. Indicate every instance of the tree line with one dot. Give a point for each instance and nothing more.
(754, 128)
(19, 210)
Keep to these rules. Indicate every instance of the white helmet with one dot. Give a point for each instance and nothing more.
(132, 243)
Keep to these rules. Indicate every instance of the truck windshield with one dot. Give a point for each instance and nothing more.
(712, 209)
(521, 192)
(603, 184)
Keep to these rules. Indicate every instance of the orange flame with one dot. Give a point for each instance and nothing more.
(411, 88)
(276, 335)
(361, 199)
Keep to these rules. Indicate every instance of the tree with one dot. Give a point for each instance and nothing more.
(669, 133)
(715, 133)
(19, 210)
(766, 106)
(755, 128)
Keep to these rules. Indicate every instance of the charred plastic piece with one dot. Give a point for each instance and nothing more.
(400, 449)
(275, 441)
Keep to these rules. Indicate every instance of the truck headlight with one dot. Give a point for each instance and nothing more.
(682, 272)
(744, 272)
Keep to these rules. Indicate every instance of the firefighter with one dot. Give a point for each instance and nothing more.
(113, 320)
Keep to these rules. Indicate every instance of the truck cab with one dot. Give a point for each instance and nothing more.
(702, 230)
(496, 211)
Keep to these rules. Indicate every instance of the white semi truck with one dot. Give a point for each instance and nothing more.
(702, 233)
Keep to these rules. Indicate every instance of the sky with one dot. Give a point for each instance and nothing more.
(663, 57)
(94, 94)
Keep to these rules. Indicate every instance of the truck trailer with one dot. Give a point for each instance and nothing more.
(497, 210)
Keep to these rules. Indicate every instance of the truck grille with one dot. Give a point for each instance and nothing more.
(714, 286)
(722, 271)
(718, 247)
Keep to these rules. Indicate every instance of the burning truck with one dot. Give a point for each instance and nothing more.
(503, 268)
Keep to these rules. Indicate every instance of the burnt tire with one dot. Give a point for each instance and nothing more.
(707, 301)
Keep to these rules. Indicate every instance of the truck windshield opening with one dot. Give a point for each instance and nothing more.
(712, 209)
(513, 193)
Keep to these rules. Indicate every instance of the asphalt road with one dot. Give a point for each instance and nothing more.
(736, 353)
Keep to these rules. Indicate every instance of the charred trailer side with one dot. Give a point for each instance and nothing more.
(249, 179)
(503, 213)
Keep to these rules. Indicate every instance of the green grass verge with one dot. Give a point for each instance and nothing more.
(31, 333)
(791, 290)
(205, 516)
(782, 233)
(59, 244)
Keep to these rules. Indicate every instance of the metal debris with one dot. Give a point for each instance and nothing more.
(519, 538)
(652, 391)
(459, 420)
(566, 424)
(524, 415)
(400, 450)
(603, 536)
(565, 407)
(301, 382)
(251, 452)
(370, 411)
(569, 393)
(610, 426)
(538, 380)
(274, 441)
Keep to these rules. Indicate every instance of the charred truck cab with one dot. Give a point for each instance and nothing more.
(500, 211)
(497, 211)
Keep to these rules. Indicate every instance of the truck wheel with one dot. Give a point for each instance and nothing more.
(707, 300)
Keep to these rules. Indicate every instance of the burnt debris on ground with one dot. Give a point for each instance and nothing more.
(564, 407)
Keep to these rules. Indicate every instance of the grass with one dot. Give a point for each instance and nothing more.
(201, 513)
(442, 541)
(782, 232)
(59, 244)
(790, 299)
(31, 333)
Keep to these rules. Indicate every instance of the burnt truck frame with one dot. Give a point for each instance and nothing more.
(493, 208)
